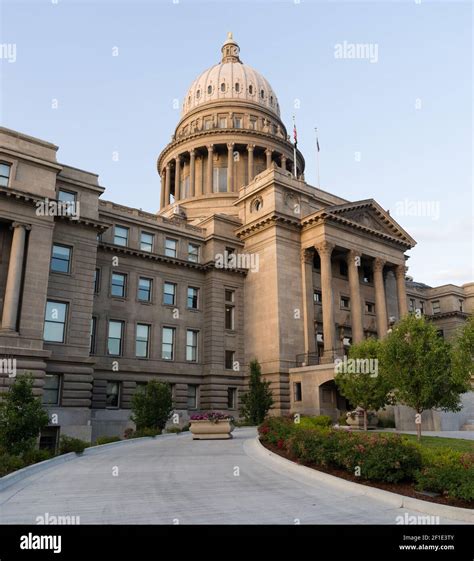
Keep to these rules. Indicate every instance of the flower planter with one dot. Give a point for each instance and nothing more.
(211, 430)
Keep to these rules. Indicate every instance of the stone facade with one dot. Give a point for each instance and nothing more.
(244, 259)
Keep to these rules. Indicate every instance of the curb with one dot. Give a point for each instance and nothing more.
(393, 499)
(12, 478)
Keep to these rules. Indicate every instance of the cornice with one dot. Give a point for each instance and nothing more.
(272, 219)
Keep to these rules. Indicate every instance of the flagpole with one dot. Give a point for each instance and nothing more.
(317, 157)
(294, 149)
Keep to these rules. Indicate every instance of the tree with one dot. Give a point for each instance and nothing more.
(151, 406)
(22, 416)
(463, 352)
(360, 380)
(258, 400)
(420, 366)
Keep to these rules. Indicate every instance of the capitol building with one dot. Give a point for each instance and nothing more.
(243, 259)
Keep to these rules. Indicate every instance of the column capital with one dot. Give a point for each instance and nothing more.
(168, 166)
(378, 264)
(192, 153)
(250, 147)
(230, 145)
(307, 255)
(178, 159)
(325, 248)
(210, 147)
(268, 151)
(21, 225)
(352, 254)
(400, 271)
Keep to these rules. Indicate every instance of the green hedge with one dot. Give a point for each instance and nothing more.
(69, 444)
(106, 440)
(374, 456)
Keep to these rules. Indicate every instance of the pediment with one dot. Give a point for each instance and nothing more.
(369, 215)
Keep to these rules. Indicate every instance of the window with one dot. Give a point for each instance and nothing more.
(219, 180)
(237, 87)
(118, 285)
(297, 394)
(4, 174)
(93, 335)
(229, 360)
(55, 321)
(169, 294)
(193, 298)
(146, 241)
(198, 94)
(121, 236)
(96, 281)
(223, 87)
(422, 307)
(51, 389)
(222, 122)
(412, 305)
(192, 396)
(193, 252)
(316, 261)
(114, 344)
(317, 296)
(67, 197)
(250, 89)
(461, 302)
(343, 268)
(231, 398)
(262, 94)
(171, 247)
(144, 289)
(61, 259)
(142, 339)
(207, 124)
(191, 345)
(436, 307)
(345, 303)
(49, 438)
(229, 309)
(209, 89)
(167, 344)
(368, 276)
(112, 398)
(369, 308)
(237, 122)
(253, 123)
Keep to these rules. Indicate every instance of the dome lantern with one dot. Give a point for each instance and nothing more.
(230, 50)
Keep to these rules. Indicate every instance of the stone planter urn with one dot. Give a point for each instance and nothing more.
(356, 419)
(211, 426)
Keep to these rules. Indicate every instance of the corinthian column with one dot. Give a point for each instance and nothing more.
(162, 190)
(210, 155)
(353, 264)
(325, 250)
(308, 302)
(380, 304)
(283, 162)
(230, 167)
(177, 179)
(14, 277)
(167, 184)
(269, 153)
(250, 149)
(401, 290)
(192, 165)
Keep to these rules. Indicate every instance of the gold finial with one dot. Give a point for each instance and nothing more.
(229, 35)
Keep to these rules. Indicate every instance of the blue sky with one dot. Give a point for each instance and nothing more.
(398, 130)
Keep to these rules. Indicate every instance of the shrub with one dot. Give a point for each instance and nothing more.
(449, 473)
(174, 430)
(152, 407)
(315, 446)
(9, 463)
(342, 420)
(37, 455)
(314, 422)
(130, 433)
(386, 423)
(21, 416)
(276, 429)
(69, 444)
(259, 399)
(107, 440)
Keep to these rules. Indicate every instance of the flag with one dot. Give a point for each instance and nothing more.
(317, 140)
(295, 135)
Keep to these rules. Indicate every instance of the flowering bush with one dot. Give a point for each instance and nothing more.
(213, 416)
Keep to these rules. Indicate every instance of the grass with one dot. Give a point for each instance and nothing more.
(441, 443)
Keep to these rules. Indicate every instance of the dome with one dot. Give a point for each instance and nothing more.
(230, 80)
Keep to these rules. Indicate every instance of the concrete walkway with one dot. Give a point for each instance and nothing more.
(177, 480)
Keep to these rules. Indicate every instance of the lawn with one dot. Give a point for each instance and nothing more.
(440, 443)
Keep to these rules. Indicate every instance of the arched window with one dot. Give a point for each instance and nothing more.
(222, 87)
(198, 94)
(251, 89)
(209, 89)
(271, 99)
(237, 87)
(262, 94)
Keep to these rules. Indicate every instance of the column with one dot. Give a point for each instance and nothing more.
(14, 277)
(177, 179)
(325, 250)
(192, 172)
(230, 167)
(353, 264)
(380, 304)
(269, 153)
(283, 162)
(250, 149)
(167, 184)
(400, 272)
(210, 155)
(308, 302)
(162, 191)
